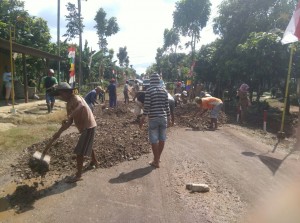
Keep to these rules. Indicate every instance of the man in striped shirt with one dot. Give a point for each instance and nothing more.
(156, 107)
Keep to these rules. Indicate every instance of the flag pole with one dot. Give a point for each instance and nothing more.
(281, 134)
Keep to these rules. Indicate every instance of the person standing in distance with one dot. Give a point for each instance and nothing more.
(49, 83)
(112, 93)
(126, 92)
(156, 108)
(7, 82)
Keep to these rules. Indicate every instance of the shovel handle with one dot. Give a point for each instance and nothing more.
(49, 144)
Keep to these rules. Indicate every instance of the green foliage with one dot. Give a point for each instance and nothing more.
(190, 17)
(123, 56)
(74, 25)
(171, 38)
(105, 28)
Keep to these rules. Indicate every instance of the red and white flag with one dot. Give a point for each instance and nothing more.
(71, 56)
(292, 32)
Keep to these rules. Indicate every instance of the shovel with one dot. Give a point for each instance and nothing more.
(45, 159)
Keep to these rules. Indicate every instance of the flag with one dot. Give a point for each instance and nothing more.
(292, 32)
(71, 56)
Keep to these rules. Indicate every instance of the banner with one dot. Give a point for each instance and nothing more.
(292, 32)
(71, 56)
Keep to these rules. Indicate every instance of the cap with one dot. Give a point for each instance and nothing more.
(51, 71)
(184, 93)
(62, 86)
(98, 88)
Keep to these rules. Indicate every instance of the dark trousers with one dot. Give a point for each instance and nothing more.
(112, 101)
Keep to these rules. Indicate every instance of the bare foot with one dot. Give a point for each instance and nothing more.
(154, 164)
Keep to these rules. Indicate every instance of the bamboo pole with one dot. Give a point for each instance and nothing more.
(281, 132)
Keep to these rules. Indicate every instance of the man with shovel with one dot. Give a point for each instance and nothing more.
(78, 112)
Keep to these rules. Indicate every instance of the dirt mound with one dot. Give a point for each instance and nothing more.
(117, 139)
(186, 116)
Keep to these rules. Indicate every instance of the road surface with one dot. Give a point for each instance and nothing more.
(239, 169)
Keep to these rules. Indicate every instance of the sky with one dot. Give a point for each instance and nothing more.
(142, 24)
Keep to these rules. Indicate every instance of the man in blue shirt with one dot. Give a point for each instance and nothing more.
(91, 97)
(112, 93)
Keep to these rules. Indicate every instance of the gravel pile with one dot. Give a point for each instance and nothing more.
(117, 139)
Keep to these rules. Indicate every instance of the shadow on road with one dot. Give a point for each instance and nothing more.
(272, 163)
(24, 197)
(135, 174)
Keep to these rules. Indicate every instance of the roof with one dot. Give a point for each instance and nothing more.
(18, 48)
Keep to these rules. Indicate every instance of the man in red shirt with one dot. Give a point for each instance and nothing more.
(214, 105)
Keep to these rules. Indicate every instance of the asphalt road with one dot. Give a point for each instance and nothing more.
(239, 169)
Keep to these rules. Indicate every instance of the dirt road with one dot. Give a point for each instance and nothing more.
(239, 169)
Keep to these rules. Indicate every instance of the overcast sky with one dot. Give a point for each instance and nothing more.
(141, 22)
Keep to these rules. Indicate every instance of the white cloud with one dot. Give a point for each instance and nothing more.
(142, 23)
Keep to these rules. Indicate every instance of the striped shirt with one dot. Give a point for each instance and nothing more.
(156, 102)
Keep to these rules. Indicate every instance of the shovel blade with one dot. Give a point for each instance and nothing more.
(38, 155)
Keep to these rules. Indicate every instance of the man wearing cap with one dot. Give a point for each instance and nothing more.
(78, 112)
(49, 82)
(91, 97)
(156, 108)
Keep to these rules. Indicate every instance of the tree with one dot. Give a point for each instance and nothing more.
(171, 38)
(236, 21)
(74, 25)
(105, 28)
(123, 56)
(190, 17)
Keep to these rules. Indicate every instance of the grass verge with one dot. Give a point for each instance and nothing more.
(29, 129)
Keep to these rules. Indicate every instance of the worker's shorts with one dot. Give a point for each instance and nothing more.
(215, 111)
(157, 129)
(49, 98)
(84, 146)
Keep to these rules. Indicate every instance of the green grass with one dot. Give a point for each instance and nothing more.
(30, 129)
(21, 137)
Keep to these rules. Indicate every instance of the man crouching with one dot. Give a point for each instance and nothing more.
(79, 112)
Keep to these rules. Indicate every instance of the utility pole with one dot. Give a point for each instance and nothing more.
(80, 45)
(58, 37)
